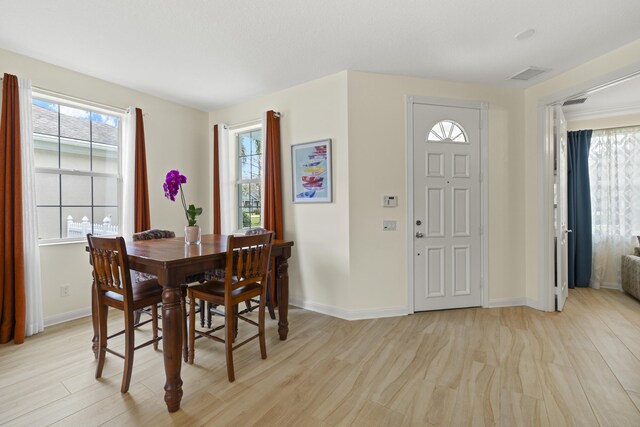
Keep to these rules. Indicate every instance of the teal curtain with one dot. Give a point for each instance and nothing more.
(579, 208)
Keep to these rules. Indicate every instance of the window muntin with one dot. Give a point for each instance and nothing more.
(249, 183)
(77, 162)
(447, 131)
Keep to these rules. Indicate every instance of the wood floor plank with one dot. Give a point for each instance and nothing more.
(14, 404)
(620, 321)
(309, 394)
(635, 397)
(413, 401)
(517, 363)
(565, 400)
(440, 406)
(477, 401)
(478, 392)
(473, 367)
(375, 414)
(108, 408)
(406, 363)
(608, 399)
(621, 361)
(69, 405)
(545, 342)
(521, 410)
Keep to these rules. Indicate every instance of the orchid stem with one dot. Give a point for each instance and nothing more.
(184, 203)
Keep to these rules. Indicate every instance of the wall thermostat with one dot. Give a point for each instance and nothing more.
(390, 201)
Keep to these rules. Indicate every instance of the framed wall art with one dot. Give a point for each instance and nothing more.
(311, 166)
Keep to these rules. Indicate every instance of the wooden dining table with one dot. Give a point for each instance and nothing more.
(173, 261)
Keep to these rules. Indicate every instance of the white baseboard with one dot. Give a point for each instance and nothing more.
(508, 302)
(377, 314)
(398, 311)
(609, 285)
(535, 303)
(65, 317)
(515, 302)
(349, 314)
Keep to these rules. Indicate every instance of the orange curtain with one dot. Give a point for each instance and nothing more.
(217, 228)
(12, 286)
(272, 177)
(141, 212)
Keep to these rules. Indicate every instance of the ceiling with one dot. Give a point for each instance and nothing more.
(210, 54)
(614, 100)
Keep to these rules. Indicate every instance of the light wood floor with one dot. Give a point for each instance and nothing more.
(509, 366)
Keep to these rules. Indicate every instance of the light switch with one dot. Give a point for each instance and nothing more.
(389, 225)
(390, 201)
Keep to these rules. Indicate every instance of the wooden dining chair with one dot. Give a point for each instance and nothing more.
(246, 268)
(270, 282)
(113, 289)
(218, 274)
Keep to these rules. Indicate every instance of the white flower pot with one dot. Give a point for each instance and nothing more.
(192, 234)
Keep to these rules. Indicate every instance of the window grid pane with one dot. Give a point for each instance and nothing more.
(249, 145)
(71, 204)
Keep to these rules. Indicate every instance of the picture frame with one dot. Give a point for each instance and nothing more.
(311, 168)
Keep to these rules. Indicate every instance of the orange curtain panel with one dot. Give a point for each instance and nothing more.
(217, 227)
(273, 179)
(12, 286)
(142, 216)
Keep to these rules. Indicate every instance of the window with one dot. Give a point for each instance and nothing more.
(77, 162)
(615, 190)
(447, 131)
(249, 183)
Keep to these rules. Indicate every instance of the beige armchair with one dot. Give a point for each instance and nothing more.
(631, 273)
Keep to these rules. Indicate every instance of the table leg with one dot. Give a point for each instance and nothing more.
(282, 284)
(172, 346)
(185, 334)
(94, 319)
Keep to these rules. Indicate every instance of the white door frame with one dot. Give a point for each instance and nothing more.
(410, 230)
(546, 284)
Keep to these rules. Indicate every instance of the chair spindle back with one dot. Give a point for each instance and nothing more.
(248, 258)
(110, 265)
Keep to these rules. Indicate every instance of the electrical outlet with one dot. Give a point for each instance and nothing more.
(65, 290)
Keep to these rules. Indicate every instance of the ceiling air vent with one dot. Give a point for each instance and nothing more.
(574, 101)
(529, 73)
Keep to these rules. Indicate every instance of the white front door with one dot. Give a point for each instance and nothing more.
(447, 207)
(562, 264)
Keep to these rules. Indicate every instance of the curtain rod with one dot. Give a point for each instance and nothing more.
(244, 124)
(249, 122)
(615, 127)
(80, 100)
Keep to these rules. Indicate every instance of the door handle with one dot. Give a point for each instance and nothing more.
(568, 231)
(419, 235)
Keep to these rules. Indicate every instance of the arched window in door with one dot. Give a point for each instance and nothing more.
(447, 131)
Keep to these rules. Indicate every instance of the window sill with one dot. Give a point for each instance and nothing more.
(62, 242)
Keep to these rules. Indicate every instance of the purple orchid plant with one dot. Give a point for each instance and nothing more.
(172, 185)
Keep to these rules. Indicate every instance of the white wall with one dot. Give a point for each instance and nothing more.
(343, 262)
(176, 138)
(623, 58)
(377, 156)
(319, 265)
